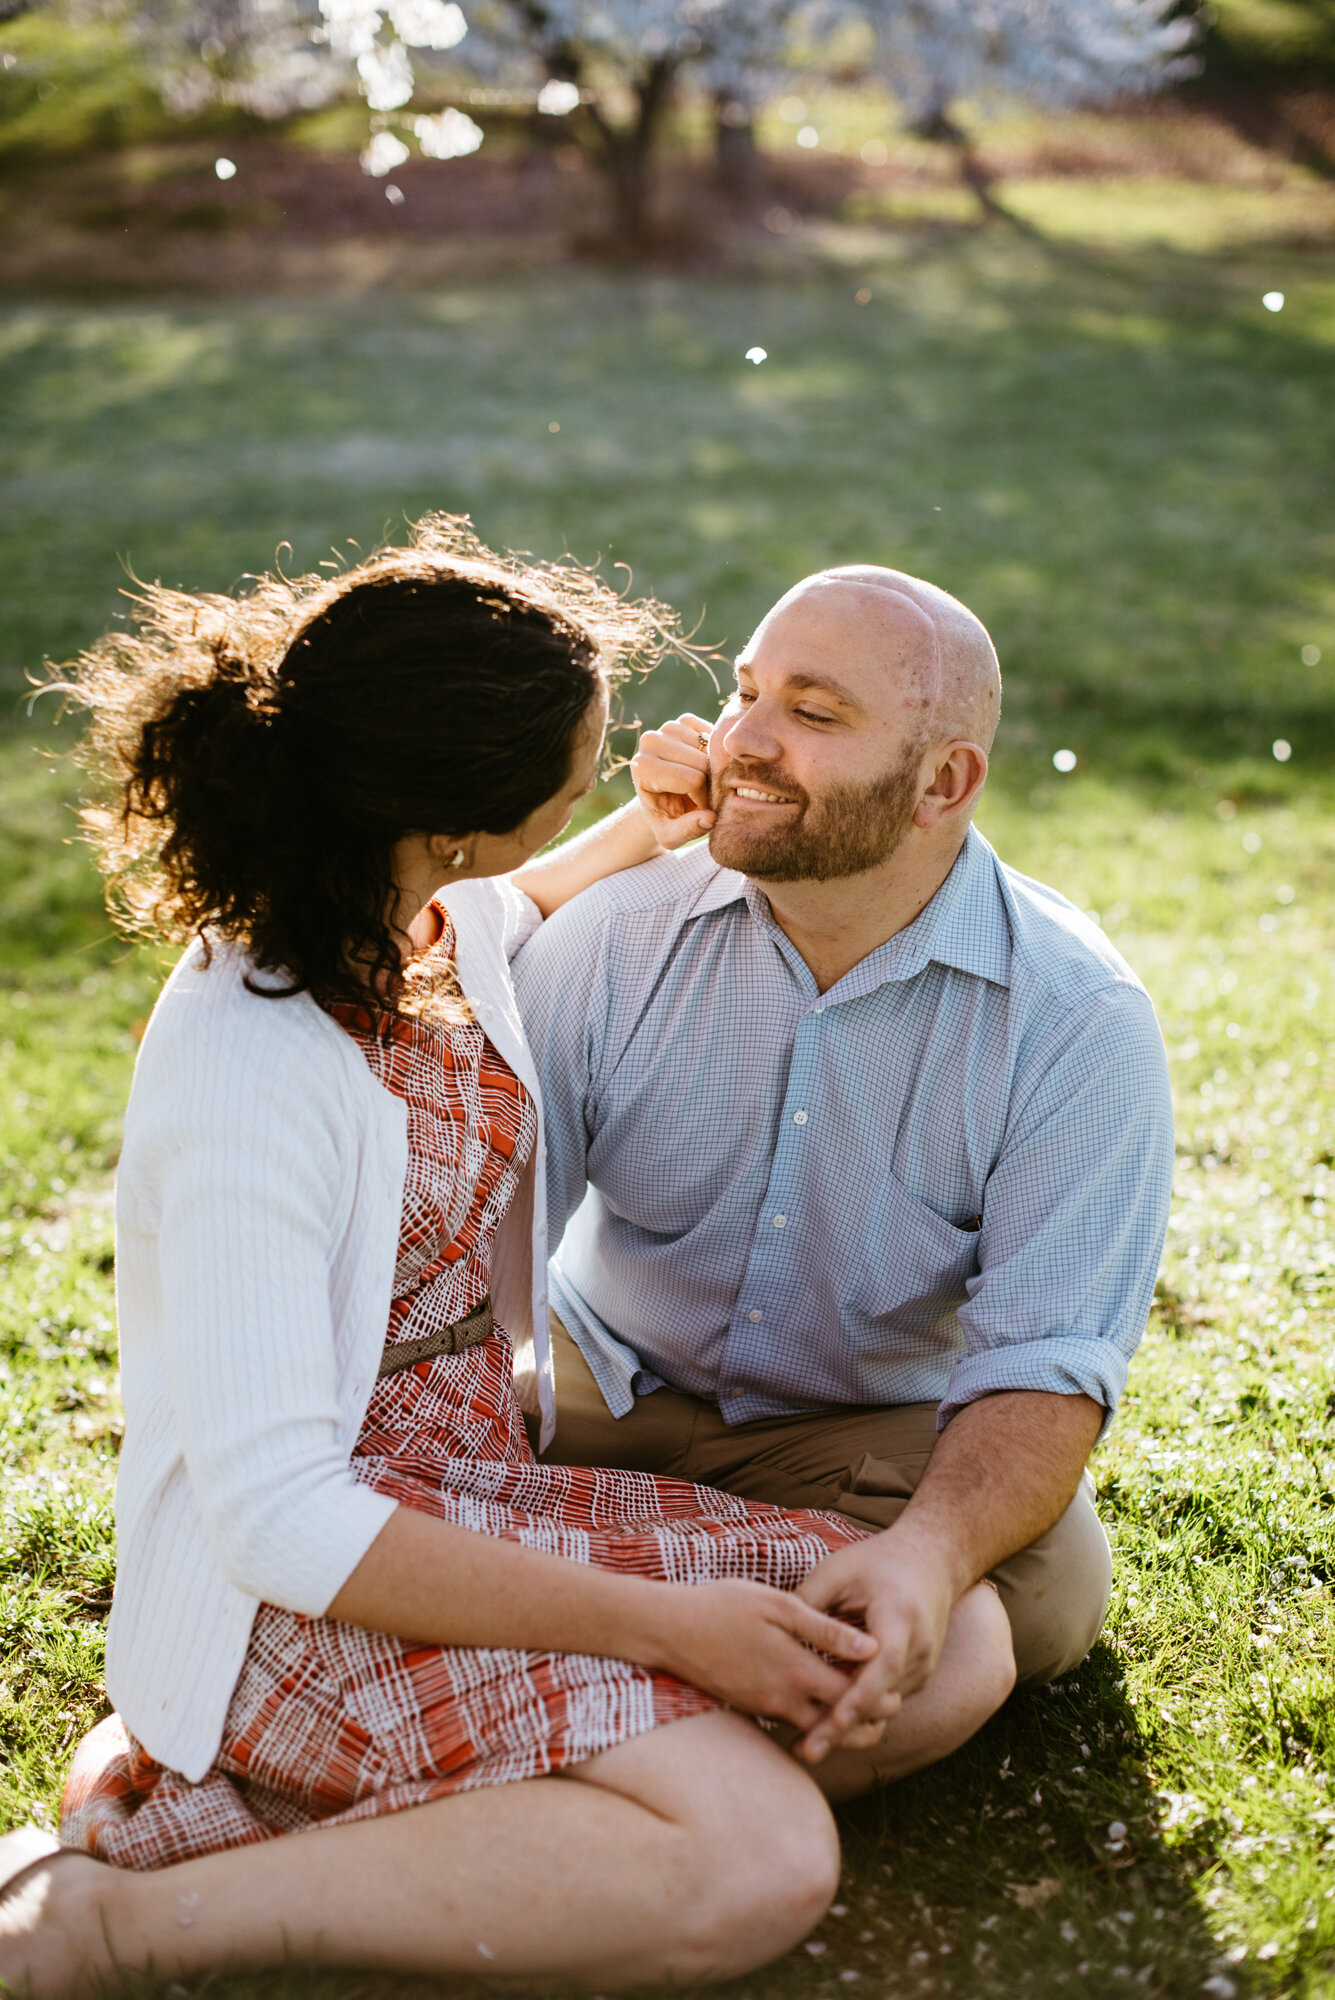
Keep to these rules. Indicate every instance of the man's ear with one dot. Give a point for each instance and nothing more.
(958, 771)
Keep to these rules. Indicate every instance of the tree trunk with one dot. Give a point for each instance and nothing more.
(934, 121)
(979, 182)
(622, 154)
(629, 180)
(736, 161)
(626, 155)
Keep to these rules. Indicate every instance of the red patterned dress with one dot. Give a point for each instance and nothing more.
(330, 1722)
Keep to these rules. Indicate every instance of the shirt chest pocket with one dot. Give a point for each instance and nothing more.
(911, 1265)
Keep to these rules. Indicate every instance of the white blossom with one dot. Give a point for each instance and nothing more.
(557, 99)
(387, 76)
(384, 153)
(428, 24)
(356, 31)
(448, 136)
(351, 26)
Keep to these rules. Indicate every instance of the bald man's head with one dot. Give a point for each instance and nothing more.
(866, 703)
(938, 654)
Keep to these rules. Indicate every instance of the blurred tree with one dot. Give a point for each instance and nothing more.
(96, 69)
(740, 64)
(255, 56)
(266, 58)
(612, 66)
(1056, 53)
(67, 84)
(609, 66)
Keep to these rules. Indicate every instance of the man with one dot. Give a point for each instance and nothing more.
(876, 1136)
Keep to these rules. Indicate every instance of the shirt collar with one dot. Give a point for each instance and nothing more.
(971, 924)
(720, 887)
(965, 925)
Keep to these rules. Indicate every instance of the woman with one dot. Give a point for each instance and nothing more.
(489, 1706)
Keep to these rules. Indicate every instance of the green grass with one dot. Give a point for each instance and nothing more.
(1123, 462)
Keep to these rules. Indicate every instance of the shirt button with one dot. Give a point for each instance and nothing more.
(755, 1314)
(735, 1389)
(781, 1222)
(542, 1229)
(799, 1118)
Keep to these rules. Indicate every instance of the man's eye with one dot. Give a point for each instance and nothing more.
(810, 715)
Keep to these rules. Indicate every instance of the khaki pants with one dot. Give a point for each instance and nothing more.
(864, 1464)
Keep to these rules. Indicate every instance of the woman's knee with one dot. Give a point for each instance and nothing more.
(794, 1851)
(765, 1869)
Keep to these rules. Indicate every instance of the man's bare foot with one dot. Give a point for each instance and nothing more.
(52, 1934)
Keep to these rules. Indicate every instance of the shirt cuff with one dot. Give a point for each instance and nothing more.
(1060, 1366)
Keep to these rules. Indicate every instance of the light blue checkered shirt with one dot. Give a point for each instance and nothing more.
(947, 1175)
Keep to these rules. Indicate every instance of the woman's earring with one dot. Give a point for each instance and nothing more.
(458, 860)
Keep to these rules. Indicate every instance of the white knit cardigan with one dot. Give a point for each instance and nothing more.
(257, 1222)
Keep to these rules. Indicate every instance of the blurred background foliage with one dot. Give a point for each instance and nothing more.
(1290, 41)
(79, 74)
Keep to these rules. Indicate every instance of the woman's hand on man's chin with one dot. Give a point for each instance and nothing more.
(671, 773)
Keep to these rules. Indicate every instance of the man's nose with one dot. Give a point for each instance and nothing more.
(745, 734)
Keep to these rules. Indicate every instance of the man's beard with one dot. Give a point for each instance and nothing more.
(844, 831)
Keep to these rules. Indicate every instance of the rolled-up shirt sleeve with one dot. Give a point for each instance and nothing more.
(1074, 1214)
(247, 1178)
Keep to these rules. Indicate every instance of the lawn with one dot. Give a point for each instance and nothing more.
(1122, 461)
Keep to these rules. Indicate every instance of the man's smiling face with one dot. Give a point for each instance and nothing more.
(817, 761)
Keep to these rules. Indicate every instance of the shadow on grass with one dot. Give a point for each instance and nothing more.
(1034, 1858)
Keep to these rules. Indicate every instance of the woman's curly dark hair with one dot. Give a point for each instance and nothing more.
(260, 755)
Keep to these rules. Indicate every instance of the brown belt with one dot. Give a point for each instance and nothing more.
(469, 1332)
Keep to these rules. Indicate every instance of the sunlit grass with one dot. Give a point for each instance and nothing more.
(1126, 467)
(1177, 214)
(1144, 211)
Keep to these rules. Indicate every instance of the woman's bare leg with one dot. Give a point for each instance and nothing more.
(694, 1852)
(973, 1677)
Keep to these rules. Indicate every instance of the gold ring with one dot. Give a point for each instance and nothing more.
(702, 739)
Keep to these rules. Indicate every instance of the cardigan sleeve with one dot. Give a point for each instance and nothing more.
(521, 916)
(250, 1168)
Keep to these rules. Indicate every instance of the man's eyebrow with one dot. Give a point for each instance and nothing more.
(799, 682)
